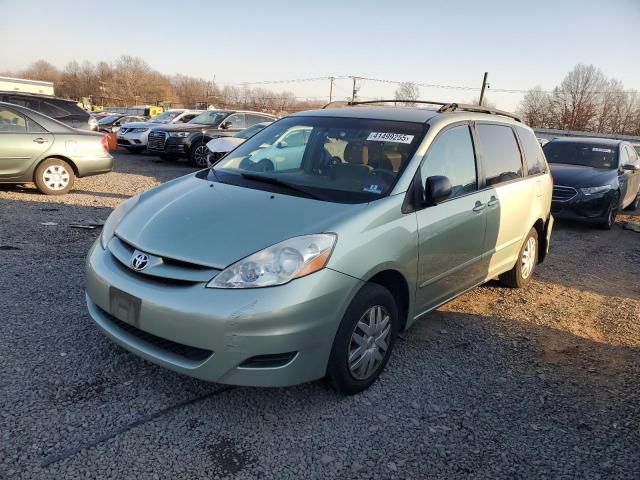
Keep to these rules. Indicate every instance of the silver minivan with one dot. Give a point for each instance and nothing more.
(268, 273)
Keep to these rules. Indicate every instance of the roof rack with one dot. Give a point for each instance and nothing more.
(444, 107)
(452, 107)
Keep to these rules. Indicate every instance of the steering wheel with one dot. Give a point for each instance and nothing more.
(386, 175)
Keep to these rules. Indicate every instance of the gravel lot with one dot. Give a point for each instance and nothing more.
(499, 383)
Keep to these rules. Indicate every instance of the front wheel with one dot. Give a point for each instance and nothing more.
(364, 341)
(520, 275)
(612, 212)
(54, 177)
(198, 155)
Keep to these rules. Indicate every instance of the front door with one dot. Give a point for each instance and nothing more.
(21, 143)
(451, 234)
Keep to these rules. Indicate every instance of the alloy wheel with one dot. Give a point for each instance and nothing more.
(200, 156)
(528, 258)
(369, 342)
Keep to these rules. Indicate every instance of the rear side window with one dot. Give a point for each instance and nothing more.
(500, 153)
(33, 127)
(533, 153)
(11, 122)
(452, 156)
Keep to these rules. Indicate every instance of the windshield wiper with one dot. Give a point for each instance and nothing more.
(280, 183)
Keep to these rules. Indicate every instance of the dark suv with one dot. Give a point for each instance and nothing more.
(65, 111)
(190, 139)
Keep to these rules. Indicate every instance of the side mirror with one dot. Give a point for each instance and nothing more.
(282, 144)
(630, 166)
(225, 125)
(436, 189)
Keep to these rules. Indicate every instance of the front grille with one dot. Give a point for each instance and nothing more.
(185, 351)
(156, 140)
(562, 193)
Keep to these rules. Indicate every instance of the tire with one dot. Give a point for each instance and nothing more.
(612, 211)
(54, 177)
(522, 272)
(635, 204)
(198, 154)
(352, 377)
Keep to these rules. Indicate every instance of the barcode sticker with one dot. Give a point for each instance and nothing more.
(603, 150)
(390, 137)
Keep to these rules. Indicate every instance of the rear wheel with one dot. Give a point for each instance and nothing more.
(520, 275)
(364, 341)
(54, 177)
(198, 154)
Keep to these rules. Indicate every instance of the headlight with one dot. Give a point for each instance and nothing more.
(138, 130)
(114, 220)
(593, 190)
(179, 134)
(278, 264)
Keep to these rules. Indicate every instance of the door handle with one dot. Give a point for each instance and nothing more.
(492, 201)
(40, 140)
(479, 206)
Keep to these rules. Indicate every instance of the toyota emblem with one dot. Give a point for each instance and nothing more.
(139, 261)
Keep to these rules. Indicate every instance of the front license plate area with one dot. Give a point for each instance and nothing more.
(124, 307)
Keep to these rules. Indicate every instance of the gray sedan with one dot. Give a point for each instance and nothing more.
(36, 148)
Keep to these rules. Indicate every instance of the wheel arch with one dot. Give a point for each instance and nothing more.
(73, 166)
(397, 284)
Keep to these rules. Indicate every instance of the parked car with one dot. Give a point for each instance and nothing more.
(218, 147)
(94, 117)
(593, 178)
(190, 139)
(65, 111)
(636, 147)
(244, 274)
(134, 136)
(35, 148)
(112, 123)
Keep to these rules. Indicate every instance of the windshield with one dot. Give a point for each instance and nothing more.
(109, 119)
(211, 117)
(346, 160)
(251, 131)
(165, 117)
(580, 153)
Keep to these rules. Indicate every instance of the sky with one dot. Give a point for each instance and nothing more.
(453, 42)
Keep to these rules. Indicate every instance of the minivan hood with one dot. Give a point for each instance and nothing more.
(581, 176)
(214, 224)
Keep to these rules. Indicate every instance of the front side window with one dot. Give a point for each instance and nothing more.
(334, 159)
(533, 153)
(12, 122)
(210, 117)
(235, 121)
(500, 153)
(582, 153)
(451, 155)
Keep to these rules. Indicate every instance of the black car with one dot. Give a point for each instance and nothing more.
(111, 123)
(190, 139)
(65, 111)
(593, 178)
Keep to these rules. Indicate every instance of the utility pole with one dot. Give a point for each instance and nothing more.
(484, 87)
(331, 79)
(355, 90)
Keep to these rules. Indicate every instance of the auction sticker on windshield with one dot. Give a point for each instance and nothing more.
(390, 137)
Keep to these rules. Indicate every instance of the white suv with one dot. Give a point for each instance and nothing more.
(134, 136)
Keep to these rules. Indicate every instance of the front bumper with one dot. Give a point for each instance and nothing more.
(590, 208)
(234, 325)
(133, 139)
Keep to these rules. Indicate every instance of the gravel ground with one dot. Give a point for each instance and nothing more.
(500, 383)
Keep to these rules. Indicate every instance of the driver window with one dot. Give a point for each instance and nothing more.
(236, 120)
(452, 156)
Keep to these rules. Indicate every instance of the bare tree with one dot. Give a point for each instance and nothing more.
(576, 99)
(407, 93)
(536, 108)
(41, 70)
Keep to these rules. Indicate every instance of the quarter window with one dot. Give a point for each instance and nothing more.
(452, 156)
(500, 153)
(33, 127)
(532, 152)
